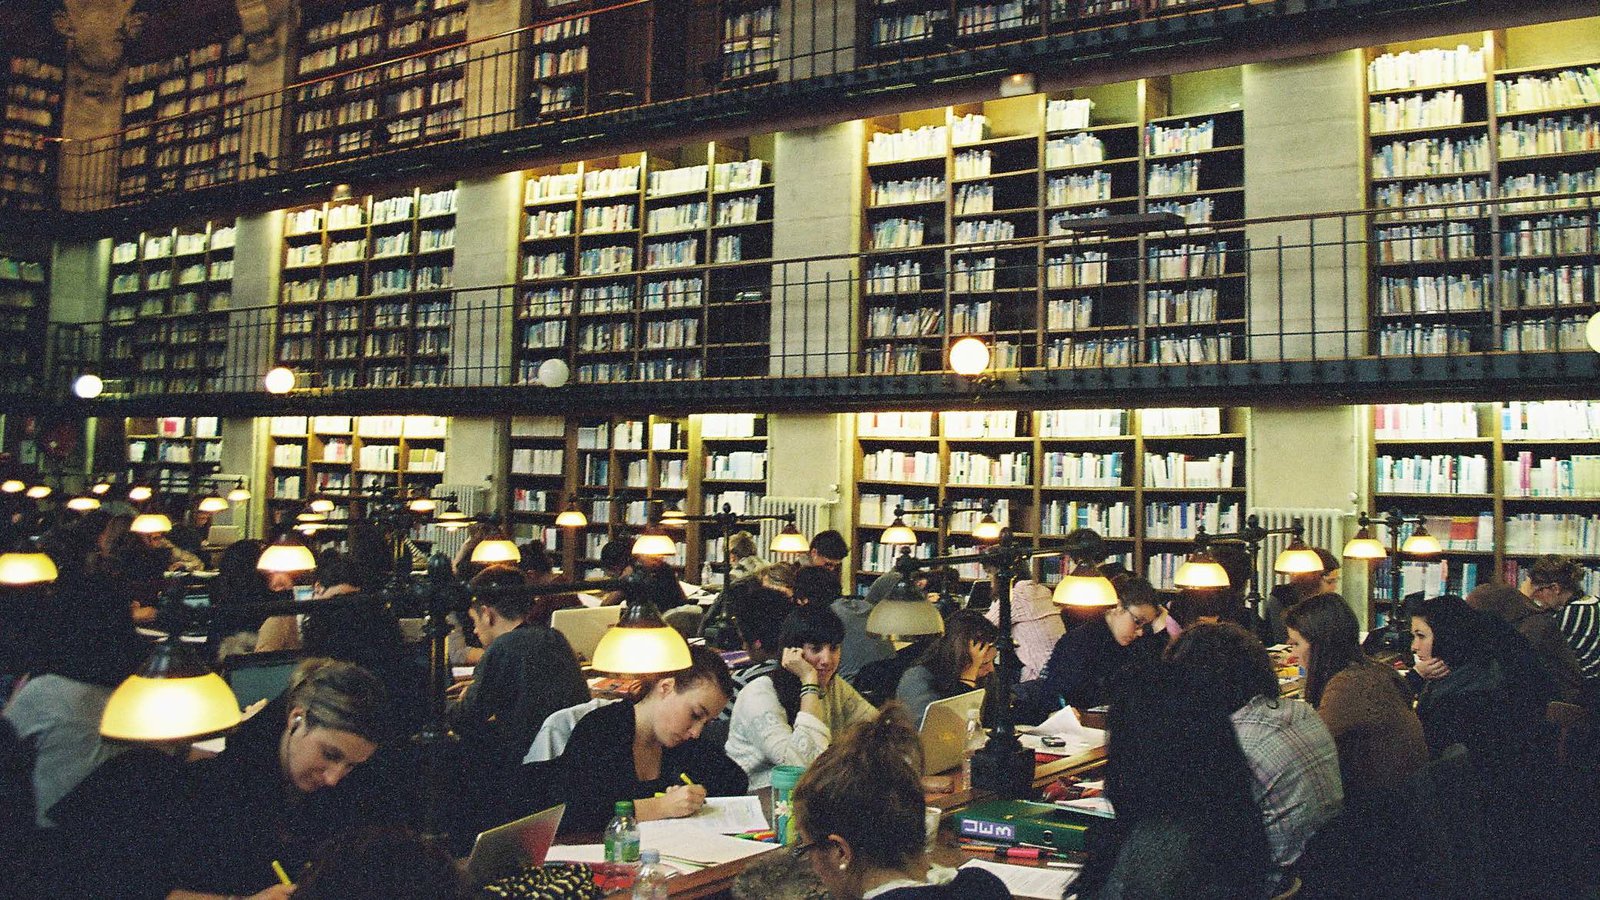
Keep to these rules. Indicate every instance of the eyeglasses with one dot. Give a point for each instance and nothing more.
(801, 851)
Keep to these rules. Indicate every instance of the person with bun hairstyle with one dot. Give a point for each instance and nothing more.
(212, 828)
(1555, 584)
(641, 750)
(859, 810)
(788, 717)
(1364, 704)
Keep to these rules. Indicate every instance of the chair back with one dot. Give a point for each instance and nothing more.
(1566, 717)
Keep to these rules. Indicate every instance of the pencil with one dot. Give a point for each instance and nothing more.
(283, 877)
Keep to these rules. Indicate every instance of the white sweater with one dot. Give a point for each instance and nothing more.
(761, 737)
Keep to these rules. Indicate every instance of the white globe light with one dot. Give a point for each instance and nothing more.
(1592, 332)
(969, 356)
(553, 373)
(88, 386)
(279, 380)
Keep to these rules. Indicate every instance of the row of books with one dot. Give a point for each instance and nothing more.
(1439, 473)
(1572, 477)
(1181, 470)
(972, 468)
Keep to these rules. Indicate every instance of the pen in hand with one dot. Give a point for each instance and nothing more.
(283, 876)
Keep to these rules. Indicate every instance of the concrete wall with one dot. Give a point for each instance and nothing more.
(818, 201)
(476, 452)
(257, 262)
(493, 72)
(244, 452)
(489, 214)
(1303, 154)
(809, 455)
(810, 32)
(79, 273)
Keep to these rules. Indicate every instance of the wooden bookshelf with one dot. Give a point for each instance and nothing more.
(183, 120)
(173, 453)
(542, 451)
(345, 457)
(24, 310)
(980, 175)
(732, 454)
(622, 464)
(649, 266)
(1449, 123)
(166, 328)
(1143, 479)
(1498, 484)
(751, 35)
(399, 77)
(366, 289)
(31, 122)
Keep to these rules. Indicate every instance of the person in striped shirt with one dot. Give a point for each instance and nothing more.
(1555, 583)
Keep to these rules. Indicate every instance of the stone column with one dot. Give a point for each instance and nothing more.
(267, 27)
(818, 199)
(97, 33)
(494, 82)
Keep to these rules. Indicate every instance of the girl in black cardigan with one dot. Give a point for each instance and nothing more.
(637, 749)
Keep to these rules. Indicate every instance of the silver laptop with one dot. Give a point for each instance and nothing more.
(224, 535)
(509, 848)
(944, 731)
(583, 627)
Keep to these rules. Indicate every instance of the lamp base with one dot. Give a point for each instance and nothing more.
(1004, 768)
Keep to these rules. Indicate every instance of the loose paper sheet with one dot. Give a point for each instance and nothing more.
(1026, 881)
(731, 815)
(682, 840)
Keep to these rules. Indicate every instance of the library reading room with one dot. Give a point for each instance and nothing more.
(1108, 449)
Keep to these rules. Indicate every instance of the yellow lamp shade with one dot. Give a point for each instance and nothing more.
(673, 516)
(1201, 571)
(150, 523)
(83, 504)
(496, 550)
(987, 529)
(1421, 543)
(24, 569)
(102, 487)
(572, 517)
(1297, 559)
(789, 540)
(321, 505)
(287, 557)
(905, 613)
(654, 544)
(641, 644)
(1085, 587)
(898, 534)
(1364, 546)
(969, 356)
(212, 504)
(452, 513)
(423, 505)
(170, 698)
(39, 491)
(239, 494)
(13, 486)
(139, 493)
(1591, 332)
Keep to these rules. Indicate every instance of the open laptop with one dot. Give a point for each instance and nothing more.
(224, 535)
(507, 849)
(944, 731)
(583, 627)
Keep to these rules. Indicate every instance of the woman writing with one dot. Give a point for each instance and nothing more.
(646, 750)
(788, 718)
(1362, 702)
(276, 793)
(860, 813)
(960, 660)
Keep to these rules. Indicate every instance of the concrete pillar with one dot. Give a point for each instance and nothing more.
(79, 272)
(815, 37)
(267, 29)
(1304, 154)
(494, 88)
(474, 454)
(244, 453)
(485, 265)
(818, 197)
(97, 32)
(257, 261)
(809, 455)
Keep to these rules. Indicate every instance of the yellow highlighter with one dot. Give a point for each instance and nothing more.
(684, 777)
(283, 876)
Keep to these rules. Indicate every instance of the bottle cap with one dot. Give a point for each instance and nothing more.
(624, 808)
(650, 857)
(784, 778)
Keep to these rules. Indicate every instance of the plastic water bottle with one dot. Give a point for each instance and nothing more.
(974, 742)
(622, 835)
(652, 881)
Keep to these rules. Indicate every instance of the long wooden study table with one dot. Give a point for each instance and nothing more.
(717, 881)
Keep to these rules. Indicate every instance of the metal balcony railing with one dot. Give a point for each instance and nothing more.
(570, 76)
(1495, 291)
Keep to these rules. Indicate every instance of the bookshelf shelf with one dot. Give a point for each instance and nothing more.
(32, 84)
(173, 454)
(182, 120)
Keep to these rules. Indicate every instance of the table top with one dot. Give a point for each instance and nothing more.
(717, 880)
